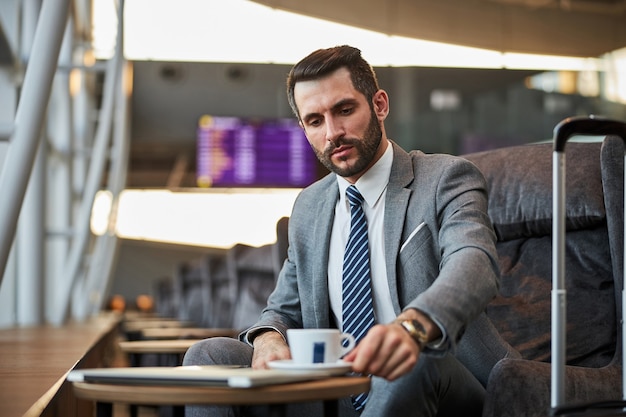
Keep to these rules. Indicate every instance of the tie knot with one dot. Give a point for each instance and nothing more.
(354, 196)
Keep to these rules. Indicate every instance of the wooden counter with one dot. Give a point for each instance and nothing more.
(35, 360)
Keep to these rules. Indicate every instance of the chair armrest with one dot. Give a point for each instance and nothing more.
(519, 387)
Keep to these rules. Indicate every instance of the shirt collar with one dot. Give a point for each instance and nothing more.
(371, 184)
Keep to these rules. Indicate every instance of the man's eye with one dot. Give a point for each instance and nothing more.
(346, 110)
(314, 122)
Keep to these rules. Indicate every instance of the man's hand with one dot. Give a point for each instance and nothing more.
(386, 351)
(269, 346)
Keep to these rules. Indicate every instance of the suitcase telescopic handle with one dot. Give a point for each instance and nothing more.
(593, 126)
(586, 125)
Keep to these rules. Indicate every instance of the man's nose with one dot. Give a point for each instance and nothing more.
(334, 130)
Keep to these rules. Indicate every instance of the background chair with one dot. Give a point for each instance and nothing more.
(252, 275)
(282, 244)
(203, 291)
(520, 207)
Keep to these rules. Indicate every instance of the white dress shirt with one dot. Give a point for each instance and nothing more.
(373, 187)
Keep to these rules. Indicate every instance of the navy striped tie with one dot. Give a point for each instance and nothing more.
(358, 312)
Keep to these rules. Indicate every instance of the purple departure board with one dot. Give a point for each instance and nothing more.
(235, 152)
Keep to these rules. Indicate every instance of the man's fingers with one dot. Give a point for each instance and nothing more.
(386, 351)
(402, 360)
(368, 349)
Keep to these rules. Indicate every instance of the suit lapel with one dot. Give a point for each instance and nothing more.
(323, 218)
(396, 205)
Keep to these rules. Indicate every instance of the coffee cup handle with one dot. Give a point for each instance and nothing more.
(351, 343)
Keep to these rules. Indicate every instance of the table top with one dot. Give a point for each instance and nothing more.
(316, 390)
(138, 325)
(136, 315)
(157, 346)
(186, 332)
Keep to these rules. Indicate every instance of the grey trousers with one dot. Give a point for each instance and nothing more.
(435, 387)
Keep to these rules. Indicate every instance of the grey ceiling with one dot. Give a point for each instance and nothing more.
(587, 28)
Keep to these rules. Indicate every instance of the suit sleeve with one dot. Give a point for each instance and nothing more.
(468, 276)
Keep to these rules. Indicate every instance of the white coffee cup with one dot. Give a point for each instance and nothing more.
(318, 345)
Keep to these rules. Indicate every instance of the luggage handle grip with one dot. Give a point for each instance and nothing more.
(583, 125)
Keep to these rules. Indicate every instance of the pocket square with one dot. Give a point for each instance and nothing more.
(412, 235)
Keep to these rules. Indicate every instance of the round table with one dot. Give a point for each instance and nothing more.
(328, 390)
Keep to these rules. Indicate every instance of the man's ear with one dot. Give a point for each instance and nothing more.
(381, 104)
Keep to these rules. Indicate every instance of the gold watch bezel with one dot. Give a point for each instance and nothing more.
(415, 329)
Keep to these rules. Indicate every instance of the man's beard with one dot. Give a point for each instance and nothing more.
(366, 149)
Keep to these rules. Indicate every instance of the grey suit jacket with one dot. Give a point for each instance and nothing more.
(439, 247)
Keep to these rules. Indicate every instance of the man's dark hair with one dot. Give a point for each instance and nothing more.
(325, 61)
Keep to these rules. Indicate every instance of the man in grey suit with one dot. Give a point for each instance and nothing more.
(432, 256)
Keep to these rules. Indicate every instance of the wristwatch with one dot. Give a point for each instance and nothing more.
(415, 330)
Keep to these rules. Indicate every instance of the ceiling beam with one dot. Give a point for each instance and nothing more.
(497, 25)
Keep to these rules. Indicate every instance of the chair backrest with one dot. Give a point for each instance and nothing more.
(520, 207)
(252, 271)
(282, 243)
(199, 287)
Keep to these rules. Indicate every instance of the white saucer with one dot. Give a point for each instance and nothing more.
(335, 368)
